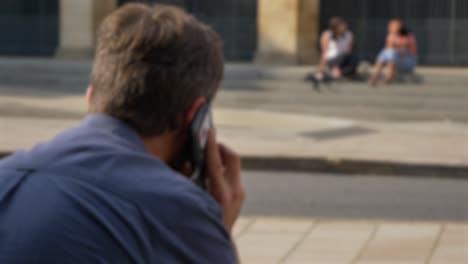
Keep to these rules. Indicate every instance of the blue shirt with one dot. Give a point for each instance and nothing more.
(93, 195)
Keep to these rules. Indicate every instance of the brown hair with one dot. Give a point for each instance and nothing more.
(335, 22)
(151, 63)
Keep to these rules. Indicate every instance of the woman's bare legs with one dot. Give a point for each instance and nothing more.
(336, 73)
(376, 74)
(390, 72)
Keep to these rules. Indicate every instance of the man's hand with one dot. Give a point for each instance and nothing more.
(223, 172)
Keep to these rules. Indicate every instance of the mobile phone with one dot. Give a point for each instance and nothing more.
(198, 138)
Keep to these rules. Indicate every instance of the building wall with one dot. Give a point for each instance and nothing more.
(234, 20)
(273, 31)
(278, 27)
(308, 31)
(67, 28)
(288, 31)
(79, 21)
(28, 27)
(440, 26)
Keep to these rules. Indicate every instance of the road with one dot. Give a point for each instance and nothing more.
(345, 196)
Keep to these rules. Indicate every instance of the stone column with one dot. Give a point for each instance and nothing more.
(79, 20)
(308, 32)
(288, 31)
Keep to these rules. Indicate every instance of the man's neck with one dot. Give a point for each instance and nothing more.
(161, 147)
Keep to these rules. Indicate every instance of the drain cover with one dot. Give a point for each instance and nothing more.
(336, 133)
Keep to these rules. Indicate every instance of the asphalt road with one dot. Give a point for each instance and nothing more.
(344, 196)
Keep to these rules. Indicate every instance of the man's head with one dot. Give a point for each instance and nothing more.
(153, 63)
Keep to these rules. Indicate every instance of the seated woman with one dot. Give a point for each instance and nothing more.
(399, 54)
(407, 51)
(336, 59)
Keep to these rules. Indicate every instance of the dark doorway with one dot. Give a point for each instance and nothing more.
(28, 27)
(440, 26)
(234, 20)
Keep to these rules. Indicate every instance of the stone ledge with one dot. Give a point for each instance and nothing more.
(72, 53)
(347, 167)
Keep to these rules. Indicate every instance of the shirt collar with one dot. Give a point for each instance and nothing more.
(116, 127)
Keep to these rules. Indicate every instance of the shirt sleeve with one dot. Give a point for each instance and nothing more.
(193, 231)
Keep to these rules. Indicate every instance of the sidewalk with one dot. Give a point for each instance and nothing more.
(322, 241)
(269, 140)
(291, 141)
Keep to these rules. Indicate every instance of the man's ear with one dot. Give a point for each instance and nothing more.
(89, 97)
(192, 110)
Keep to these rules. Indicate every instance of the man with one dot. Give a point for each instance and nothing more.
(104, 192)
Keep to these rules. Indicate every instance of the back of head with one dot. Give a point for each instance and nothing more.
(151, 63)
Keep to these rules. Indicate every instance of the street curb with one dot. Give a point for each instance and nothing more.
(354, 167)
(347, 167)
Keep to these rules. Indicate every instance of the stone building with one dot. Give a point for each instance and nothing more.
(283, 31)
(265, 31)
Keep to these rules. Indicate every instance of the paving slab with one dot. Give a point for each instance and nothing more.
(242, 225)
(453, 245)
(341, 241)
(280, 225)
(266, 247)
(332, 242)
(401, 243)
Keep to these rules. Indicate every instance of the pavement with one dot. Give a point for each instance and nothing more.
(333, 241)
(341, 145)
(327, 219)
(282, 141)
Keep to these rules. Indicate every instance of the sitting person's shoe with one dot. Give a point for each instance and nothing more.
(312, 78)
(309, 77)
(315, 83)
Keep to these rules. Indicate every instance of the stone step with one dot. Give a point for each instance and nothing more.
(359, 112)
